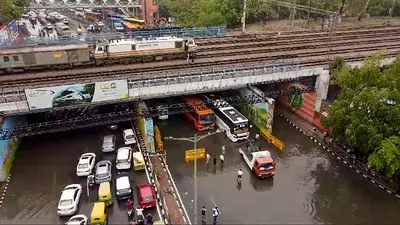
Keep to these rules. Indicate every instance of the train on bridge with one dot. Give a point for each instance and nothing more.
(25, 58)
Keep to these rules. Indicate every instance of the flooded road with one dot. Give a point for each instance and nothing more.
(310, 186)
(46, 164)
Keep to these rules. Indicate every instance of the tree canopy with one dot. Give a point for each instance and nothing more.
(201, 13)
(367, 112)
(11, 9)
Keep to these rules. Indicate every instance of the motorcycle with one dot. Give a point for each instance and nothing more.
(91, 181)
(130, 211)
(140, 219)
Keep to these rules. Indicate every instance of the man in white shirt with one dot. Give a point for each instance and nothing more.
(239, 175)
(221, 157)
(216, 212)
(208, 158)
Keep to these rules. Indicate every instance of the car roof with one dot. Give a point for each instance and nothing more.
(98, 209)
(101, 166)
(108, 138)
(145, 189)
(67, 194)
(264, 160)
(128, 131)
(84, 159)
(123, 182)
(123, 152)
(104, 188)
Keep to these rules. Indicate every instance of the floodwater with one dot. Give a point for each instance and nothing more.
(310, 186)
(46, 164)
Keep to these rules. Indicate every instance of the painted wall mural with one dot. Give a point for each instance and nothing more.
(302, 104)
(260, 114)
(146, 126)
(9, 148)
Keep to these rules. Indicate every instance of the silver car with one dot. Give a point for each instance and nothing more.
(103, 171)
(109, 143)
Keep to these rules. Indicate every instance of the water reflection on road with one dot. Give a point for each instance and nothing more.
(310, 186)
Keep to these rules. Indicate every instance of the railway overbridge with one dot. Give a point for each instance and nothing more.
(150, 88)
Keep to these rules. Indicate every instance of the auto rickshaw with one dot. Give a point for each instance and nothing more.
(138, 161)
(99, 214)
(105, 193)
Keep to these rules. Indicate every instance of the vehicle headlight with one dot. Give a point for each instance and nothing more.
(118, 193)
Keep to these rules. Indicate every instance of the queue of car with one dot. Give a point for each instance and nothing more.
(101, 172)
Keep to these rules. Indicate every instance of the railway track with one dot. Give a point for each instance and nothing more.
(209, 63)
(293, 41)
(296, 32)
(256, 44)
(263, 37)
(122, 68)
(308, 46)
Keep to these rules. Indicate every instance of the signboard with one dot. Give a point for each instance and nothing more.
(200, 154)
(43, 98)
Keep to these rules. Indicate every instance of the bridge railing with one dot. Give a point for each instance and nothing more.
(154, 32)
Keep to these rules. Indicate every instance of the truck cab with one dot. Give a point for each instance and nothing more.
(260, 162)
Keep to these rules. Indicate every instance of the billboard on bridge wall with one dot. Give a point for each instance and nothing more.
(42, 98)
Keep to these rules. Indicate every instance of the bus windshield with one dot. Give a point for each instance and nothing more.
(240, 128)
(206, 118)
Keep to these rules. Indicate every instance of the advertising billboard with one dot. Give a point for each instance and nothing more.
(43, 98)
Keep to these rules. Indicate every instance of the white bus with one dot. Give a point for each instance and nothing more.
(232, 122)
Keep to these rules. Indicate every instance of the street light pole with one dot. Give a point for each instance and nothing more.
(194, 140)
(244, 16)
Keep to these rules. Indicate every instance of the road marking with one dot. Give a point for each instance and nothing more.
(213, 201)
(54, 182)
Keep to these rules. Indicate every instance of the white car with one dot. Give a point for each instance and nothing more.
(100, 24)
(124, 158)
(77, 220)
(129, 137)
(69, 200)
(85, 164)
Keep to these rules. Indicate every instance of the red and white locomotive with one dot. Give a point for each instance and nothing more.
(62, 56)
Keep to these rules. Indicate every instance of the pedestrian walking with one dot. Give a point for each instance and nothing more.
(239, 175)
(203, 215)
(257, 136)
(215, 160)
(208, 158)
(223, 149)
(216, 212)
(149, 219)
(187, 57)
(221, 157)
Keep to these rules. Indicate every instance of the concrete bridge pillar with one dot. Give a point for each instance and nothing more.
(260, 114)
(9, 148)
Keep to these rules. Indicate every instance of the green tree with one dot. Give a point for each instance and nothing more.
(366, 112)
(11, 9)
(387, 158)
